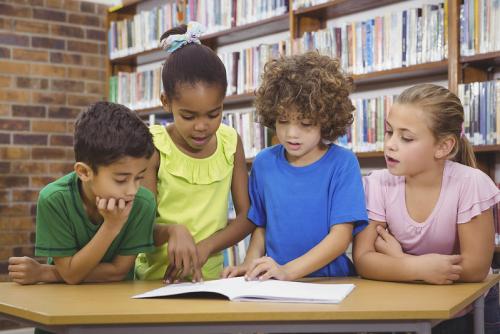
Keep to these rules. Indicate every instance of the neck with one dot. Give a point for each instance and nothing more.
(429, 178)
(89, 204)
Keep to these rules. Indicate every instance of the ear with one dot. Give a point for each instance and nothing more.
(84, 171)
(444, 147)
(165, 102)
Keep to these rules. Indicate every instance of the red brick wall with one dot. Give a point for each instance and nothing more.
(52, 65)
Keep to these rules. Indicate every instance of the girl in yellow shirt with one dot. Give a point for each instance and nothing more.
(197, 162)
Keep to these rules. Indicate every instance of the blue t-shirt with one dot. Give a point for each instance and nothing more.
(298, 205)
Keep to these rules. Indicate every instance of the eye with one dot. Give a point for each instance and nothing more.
(306, 124)
(388, 132)
(121, 181)
(282, 121)
(407, 139)
(215, 115)
(187, 118)
(139, 178)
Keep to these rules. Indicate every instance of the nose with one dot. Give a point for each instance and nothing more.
(201, 126)
(291, 131)
(390, 143)
(132, 188)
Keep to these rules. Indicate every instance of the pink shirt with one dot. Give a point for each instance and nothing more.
(465, 193)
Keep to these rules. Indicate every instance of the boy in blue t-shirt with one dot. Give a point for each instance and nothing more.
(306, 194)
(93, 222)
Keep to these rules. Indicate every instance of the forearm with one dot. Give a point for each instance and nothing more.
(257, 246)
(378, 266)
(473, 269)
(76, 268)
(106, 272)
(331, 247)
(160, 234)
(230, 235)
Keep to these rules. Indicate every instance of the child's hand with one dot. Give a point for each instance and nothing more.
(234, 271)
(265, 268)
(438, 268)
(25, 270)
(114, 211)
(387, 244)
(183, 256)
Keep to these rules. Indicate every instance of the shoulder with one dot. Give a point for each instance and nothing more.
(342, 156)
(268, 154)
(381, 177)
(228, 138)
(58, 189)
(462, 173)
(144, 199)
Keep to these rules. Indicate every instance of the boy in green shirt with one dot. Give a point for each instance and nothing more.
(92, 222)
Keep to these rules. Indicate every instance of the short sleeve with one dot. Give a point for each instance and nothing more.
(138, 237)
(478, 193)
(375, 197)
(347, 196)
(257, 211)
(54, 232)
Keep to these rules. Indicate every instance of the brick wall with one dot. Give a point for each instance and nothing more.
(52, 65)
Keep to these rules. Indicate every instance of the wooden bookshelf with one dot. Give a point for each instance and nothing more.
(486, 60)
(458, 69)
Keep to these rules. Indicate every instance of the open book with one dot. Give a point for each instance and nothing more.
(238, 289)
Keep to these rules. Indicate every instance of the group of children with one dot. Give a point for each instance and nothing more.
(426, 217)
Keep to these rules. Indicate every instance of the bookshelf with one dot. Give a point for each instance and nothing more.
(454, 68)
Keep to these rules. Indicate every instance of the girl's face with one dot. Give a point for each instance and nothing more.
(301, 139)
(409, 145)
(197, 112)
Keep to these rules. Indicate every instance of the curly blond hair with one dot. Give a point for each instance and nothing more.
(314, 84)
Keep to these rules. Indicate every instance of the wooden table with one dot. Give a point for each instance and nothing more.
(107, 308)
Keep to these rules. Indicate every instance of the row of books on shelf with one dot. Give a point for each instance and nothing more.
(479, 26)
(143, 31)
(253, 136)
(401, 38)
(245, 67)
(397, 39)
(136, 90)
(481, 102)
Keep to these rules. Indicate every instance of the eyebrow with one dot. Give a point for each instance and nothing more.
(402, 129)
(195, 112)
(127, 174)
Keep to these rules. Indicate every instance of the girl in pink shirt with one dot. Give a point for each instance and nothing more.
(430, 210)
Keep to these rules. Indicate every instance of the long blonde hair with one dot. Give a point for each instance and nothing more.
(446, 116)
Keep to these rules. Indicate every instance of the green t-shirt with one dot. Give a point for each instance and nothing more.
(63, 226)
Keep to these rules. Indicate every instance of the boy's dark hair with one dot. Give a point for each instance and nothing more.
(191, 64)
(314, 84)
(107, 132)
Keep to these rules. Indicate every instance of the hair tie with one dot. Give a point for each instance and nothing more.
(192, 35)
(462, 132)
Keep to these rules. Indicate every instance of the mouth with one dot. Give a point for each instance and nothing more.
(293, 145)
(200, 140)
(391, 161)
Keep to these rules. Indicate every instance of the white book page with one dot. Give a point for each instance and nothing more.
(239, 289)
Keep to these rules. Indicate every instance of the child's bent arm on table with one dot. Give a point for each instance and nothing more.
(378, 255)
(332, 246)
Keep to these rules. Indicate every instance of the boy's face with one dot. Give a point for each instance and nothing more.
(197, 115)
(119, 180)
(300, 137)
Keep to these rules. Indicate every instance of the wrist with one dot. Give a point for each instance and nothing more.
(111, 229)
(290, 273)
(49, 274)
(412, 265)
